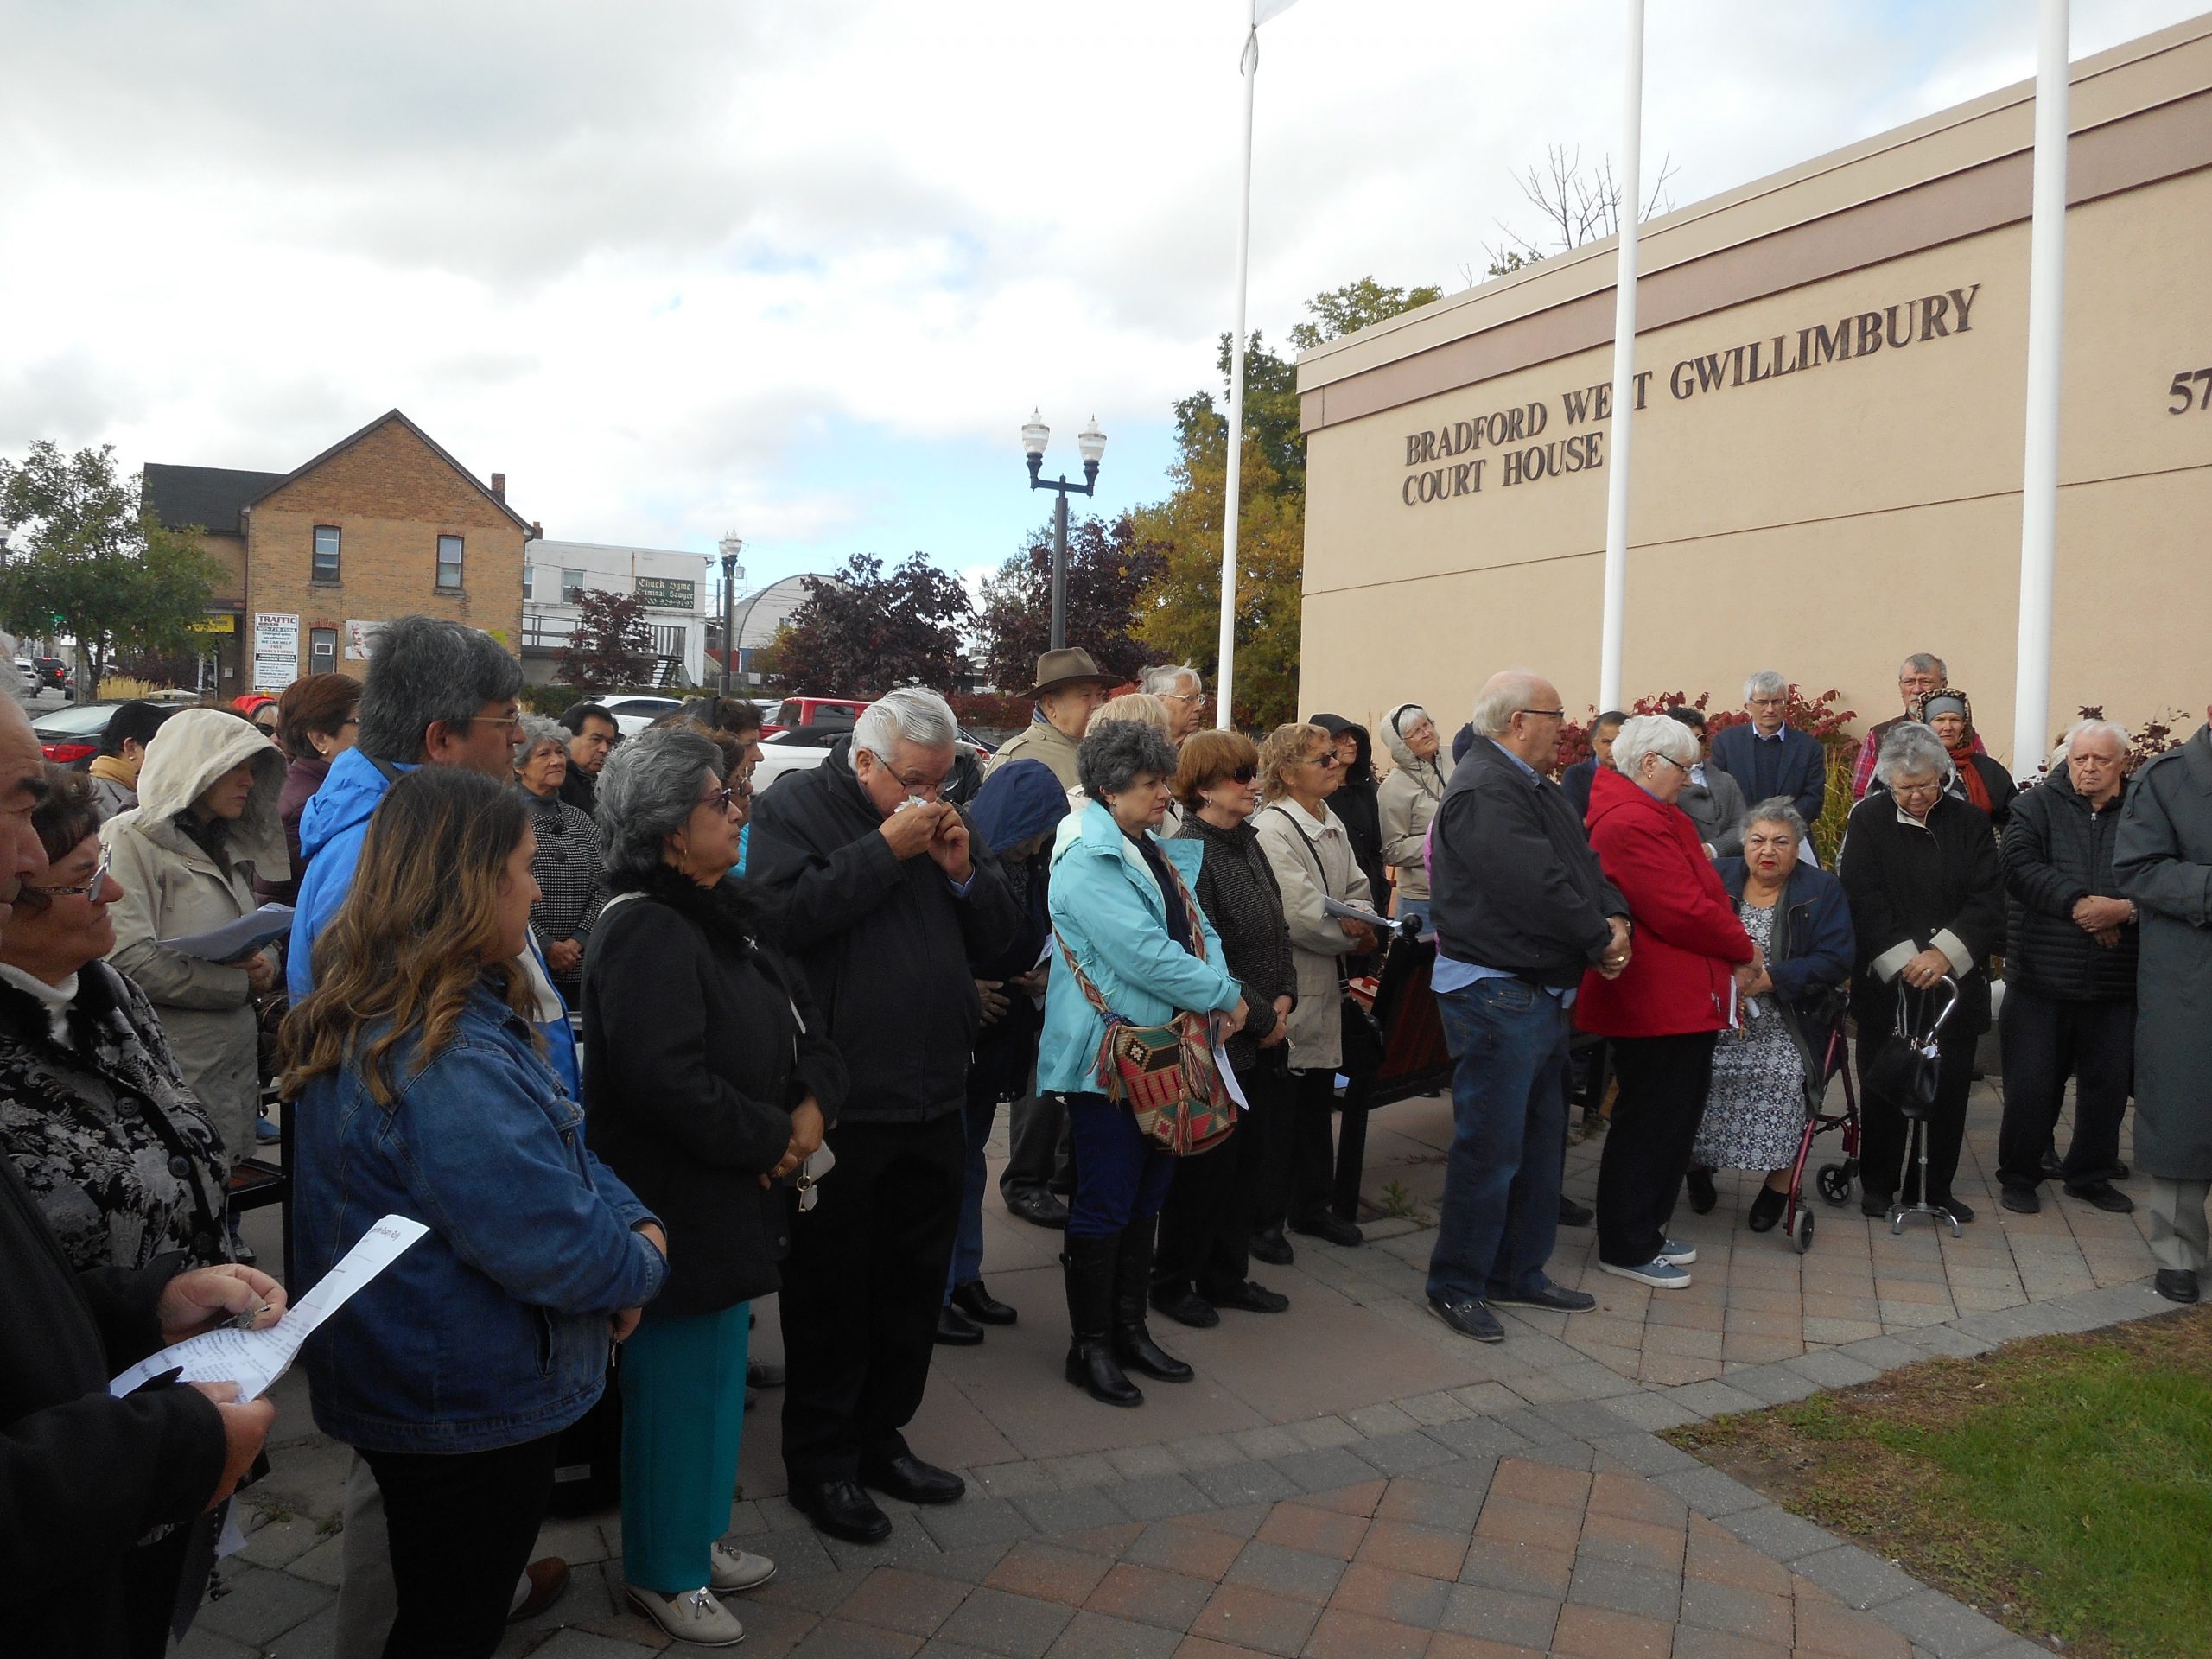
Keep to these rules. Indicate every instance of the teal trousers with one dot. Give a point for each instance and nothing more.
(683, 1418)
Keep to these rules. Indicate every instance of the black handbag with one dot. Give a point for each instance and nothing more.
(1904, 1068)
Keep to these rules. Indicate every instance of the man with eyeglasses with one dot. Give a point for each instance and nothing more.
(1184, 691)
(1521, 910)
(1769, 757)
(1918, 675)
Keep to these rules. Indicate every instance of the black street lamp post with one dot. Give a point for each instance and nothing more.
(1092, 444)
(732, 545)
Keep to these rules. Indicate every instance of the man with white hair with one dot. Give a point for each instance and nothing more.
(2070, 950)
(2163, 860)
(1520, 909)
(1183, 691)
(876, 885)
(1769, 757)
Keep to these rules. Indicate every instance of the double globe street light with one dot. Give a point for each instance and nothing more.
(1092, 444)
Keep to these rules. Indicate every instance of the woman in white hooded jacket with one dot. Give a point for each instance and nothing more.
(186, 857)
(1407, 800)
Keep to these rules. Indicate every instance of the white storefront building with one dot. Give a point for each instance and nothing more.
(672, 584)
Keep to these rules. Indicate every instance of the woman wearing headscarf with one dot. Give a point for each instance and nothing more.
(1355, 801)
(1976, 778)
(1407, 800)
(1015, 811)
(186, 857)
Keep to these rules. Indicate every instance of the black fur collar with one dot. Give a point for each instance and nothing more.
(725, 908)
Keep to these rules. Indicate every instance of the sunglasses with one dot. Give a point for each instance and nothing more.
(1242, 775)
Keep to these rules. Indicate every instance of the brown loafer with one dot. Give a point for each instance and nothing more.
(548, 1581)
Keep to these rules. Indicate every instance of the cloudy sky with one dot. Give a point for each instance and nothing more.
(803, 268)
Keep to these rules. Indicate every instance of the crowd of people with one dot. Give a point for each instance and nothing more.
(638, 1051)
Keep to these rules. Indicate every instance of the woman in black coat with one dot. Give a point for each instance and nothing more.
(1214, 1204)
(1357, 803)
(1927, 902)
(711, 1081)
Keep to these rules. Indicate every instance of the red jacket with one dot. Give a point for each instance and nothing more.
(1688, 938)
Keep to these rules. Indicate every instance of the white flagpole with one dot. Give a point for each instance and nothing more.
(1225, 676)
(1615, 615)
(2046, 330)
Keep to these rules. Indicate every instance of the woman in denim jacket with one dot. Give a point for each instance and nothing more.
(421, 1089)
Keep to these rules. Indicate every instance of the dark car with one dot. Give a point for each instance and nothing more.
(71, 737)
(53, 673)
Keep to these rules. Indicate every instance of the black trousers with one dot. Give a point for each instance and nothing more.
(2044, 1041)
(462, 1529)
(1300, 1158)
(861, 1289)
(1037, 1153)
(1664, 1083)
(1214, 1199)
(1885, 1135)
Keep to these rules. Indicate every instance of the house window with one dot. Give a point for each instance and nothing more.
(570, 581)
(322, 650)
(325, 554)
(528, 584)
(449, 564)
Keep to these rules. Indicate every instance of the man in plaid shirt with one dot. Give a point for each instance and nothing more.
(1920, 674)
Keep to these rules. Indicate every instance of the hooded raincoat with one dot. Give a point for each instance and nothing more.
(1407, 800)
(173, 885)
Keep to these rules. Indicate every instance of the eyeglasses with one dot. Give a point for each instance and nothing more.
(1671, 761)
(1324, 761)
(88, 890)
(1245, 774)
(1543, 713)
(510, 723)
(1182, 697)
(721, 799)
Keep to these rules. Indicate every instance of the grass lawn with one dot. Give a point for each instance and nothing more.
(2062, 1485)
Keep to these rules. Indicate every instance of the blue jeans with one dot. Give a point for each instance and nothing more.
(1509, 1109)
(1121, 1174)
(968, 1235)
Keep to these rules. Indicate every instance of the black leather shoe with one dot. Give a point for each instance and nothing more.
(1555, 1298)
(1958, 1209)
(2105, 1196)
(1041, 1208)
(1873, 1203)
(759, 1373)
(955, 1330)
(1469, 1319)
(1248, 1298)
(1186, 1306)
(841, 1509)
(2020, 1199)
(2175, 1284)
(1090, 1367)
(1703, 1195)
(1766, 1210)
(1572, 1214)
(2052, 1169)
(979, 1304)
(906, 1476)
(1269, 1245)
(1327, 1226)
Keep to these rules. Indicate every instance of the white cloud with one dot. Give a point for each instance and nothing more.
(649, 260)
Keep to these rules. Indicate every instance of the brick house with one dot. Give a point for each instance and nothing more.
(382, 524)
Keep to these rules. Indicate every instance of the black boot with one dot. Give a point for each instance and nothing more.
(1133, 1343)
(1088, 1265)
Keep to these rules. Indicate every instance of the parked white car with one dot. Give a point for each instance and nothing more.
(632, 715)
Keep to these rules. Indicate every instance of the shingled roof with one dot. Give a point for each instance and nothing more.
(210, 497)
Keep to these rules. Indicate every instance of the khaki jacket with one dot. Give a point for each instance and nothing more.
(1407, 802)
(1042, 741)
(1316, 941)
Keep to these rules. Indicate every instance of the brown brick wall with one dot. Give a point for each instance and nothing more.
(391, 497)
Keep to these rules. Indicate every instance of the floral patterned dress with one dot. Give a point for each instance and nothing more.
(1755, 1109)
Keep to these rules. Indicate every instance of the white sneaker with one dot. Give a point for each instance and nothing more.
(695, 1616)
(1680, 1255)
(1658, 1273)
(739, 1569)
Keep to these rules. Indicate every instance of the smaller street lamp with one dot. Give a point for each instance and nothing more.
(1090, 443)
(732, 545)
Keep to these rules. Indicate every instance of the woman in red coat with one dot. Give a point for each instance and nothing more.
(1665, 1007)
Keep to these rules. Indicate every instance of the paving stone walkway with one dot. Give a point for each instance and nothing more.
(1350, 1478)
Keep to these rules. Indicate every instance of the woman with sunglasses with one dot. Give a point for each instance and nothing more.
(120, 1158)
(711, 1078)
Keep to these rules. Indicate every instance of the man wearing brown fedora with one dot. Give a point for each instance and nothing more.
(1070, 686)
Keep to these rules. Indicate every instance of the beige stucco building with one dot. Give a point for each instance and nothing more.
(1827, 458)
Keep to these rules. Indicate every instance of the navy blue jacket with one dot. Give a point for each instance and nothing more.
(1813, 948)
(1802, 775)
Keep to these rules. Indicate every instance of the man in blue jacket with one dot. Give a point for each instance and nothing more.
(1767, 758)
(437, 694)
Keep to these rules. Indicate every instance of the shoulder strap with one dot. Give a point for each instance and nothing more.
(1197, 943)
(1311, 851)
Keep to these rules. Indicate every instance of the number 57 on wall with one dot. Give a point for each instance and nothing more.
(2184, 398)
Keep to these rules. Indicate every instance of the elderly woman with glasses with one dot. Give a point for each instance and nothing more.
(94, 1114)
(566, 865)
(1131, 939)
(1927, 892)
(1664, 1010)
(710, 1080)
(1408, 800)
(1314, 859)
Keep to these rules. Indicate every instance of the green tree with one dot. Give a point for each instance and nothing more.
(1179, 611)
(611, 646)
(1107, 569)
(83, 558)
(865, 630)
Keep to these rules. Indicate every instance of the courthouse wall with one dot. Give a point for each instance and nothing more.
(1828, 456)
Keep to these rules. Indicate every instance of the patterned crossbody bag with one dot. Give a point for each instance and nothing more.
(1165, 1074)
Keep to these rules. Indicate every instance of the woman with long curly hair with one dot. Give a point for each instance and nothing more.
(419, 1088)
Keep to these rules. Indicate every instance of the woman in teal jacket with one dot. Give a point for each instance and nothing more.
(1124, 911)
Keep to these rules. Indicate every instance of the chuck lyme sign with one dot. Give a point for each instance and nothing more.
(1507, 447)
